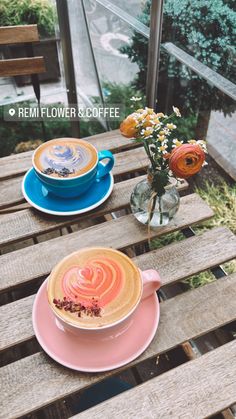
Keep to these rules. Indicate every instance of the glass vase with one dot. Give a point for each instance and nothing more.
(151, 209)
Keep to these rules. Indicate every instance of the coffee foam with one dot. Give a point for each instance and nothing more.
(75, 155)
(104, 276)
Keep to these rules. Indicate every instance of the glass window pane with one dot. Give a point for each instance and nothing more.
(102, 56)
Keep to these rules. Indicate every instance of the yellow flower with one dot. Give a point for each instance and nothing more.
(150, 111)
(160, 115)
(171, 126)
(202, 143)
(176, 111)
(161, 138)
(148, 121)
(141, 117)
(162, 132)
(192, 141)
(162, 147)
(147, 132)
(177, 143)
(156, 120)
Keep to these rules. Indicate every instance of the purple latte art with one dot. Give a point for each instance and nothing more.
(71, 157)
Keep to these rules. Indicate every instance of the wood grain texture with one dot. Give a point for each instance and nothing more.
(22, 66)
(30, 222)
(18, 34)
(197, 389)
(36, 261)
(184, 317)
(17, 164)
(196, 254)
(10, 192)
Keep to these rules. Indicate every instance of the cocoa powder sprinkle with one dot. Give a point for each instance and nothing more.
(72, 307)
(64, 172)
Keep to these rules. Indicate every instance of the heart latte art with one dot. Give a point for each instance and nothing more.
(65, 157)
(104, 282)
(101, 278)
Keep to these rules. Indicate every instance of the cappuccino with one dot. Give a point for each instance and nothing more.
(94, 287)
(65, 157)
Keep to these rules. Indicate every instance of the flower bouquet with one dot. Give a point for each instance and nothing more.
(155, 200)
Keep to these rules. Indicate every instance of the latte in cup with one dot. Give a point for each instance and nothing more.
(65, 157)
(94, 287)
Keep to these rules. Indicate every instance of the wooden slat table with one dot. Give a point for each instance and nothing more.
(30, 248)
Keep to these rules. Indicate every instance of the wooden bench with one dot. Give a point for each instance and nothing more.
(32, 381)
(22, 34)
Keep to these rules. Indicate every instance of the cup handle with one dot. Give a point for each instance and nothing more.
(151, 282)
(104, 169)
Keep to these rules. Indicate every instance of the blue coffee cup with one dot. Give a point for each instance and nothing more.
(70, 187)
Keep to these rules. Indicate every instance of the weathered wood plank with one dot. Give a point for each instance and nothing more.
(36, 261)
(18, 34)
(22, 66)
(10, 192)
(125, 162)
(196, 254)
(30, 222)
(17, 164)
(15, 208)
(182, 318)
(197, 389)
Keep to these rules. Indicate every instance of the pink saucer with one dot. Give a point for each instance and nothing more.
(95, 354)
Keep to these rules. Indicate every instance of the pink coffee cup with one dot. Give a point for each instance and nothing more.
(151, 284)
(110, 275)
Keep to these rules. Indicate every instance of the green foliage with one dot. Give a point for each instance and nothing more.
(23, 12)
(118, 94)
(206, 30)
(186, 129)
(222, 199)
(166, 239)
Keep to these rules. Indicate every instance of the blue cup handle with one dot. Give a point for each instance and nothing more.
(104, 169)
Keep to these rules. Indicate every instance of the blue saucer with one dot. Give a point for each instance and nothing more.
(37, 195)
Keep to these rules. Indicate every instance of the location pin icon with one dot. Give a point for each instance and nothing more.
(12, 111)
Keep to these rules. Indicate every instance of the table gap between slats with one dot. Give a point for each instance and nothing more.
(182, 318)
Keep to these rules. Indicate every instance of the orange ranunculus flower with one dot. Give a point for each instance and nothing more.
(128, 127)
(186, 160)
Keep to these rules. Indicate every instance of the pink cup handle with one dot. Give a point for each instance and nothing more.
(151, 282)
